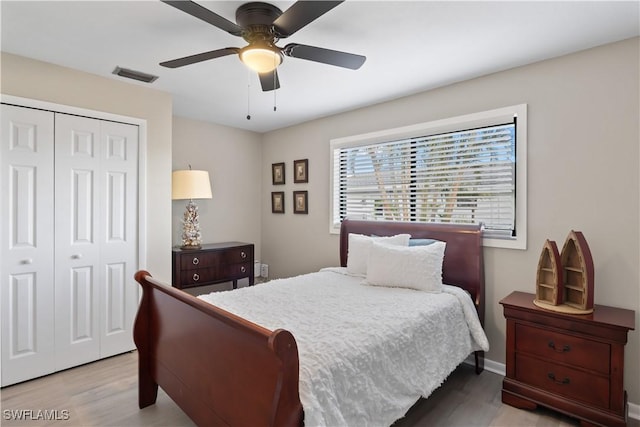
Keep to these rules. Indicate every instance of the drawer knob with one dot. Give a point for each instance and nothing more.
(243, 269)
(552, 377)
(243, 254)
(564, 348)
(195, 261)
(196, 277)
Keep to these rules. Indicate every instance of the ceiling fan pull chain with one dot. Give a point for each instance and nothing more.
(248, 96)
(274, 90)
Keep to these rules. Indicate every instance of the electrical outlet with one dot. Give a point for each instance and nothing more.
(264, 270)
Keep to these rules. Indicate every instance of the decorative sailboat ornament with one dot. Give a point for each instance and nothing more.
(549, 289)
(565, 282)
(578, 273)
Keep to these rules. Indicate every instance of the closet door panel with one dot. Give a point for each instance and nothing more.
(77, 247)
(120, 298)
(81, 286)
(26, 243)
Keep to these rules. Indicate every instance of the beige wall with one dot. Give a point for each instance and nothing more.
(233, 158)
(583, 174)
(43, 81)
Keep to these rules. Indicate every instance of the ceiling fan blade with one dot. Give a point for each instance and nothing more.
(205, 56)
(300, 14)
(269, 81)
(326, 56)
(194, 9)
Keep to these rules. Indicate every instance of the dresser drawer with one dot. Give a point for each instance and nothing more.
(238, 270)
(199, 276)
(199, 260)
(562, 380)
(574, 351)
(238, 255)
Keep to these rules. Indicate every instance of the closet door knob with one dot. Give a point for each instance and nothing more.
(26, 261)
(76, 256)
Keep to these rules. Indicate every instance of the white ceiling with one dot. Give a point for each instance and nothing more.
(411, 46)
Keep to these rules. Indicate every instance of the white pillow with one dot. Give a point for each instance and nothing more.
(413, 267)
(359, 246)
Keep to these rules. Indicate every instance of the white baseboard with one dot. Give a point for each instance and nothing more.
(499, 368)
(634, 411)
(489, 365)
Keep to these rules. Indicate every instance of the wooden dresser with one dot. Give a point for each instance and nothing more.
(570, 363)
(213, 263)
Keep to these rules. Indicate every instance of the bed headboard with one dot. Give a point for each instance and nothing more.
(463, 264)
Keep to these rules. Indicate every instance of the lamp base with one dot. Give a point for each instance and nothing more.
(191, 227)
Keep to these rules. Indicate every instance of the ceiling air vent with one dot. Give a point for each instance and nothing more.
(136, 75)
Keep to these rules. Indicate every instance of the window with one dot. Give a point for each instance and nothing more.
(469, 169)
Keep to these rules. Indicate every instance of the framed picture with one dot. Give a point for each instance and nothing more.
(277, 173)
(301, 170)
(300, 202)
(277, 202)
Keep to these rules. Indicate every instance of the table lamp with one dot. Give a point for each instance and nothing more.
(190, 185)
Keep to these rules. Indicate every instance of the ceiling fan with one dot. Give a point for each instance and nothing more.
(262, 25)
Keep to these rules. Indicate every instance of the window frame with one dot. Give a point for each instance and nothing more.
(463, 122)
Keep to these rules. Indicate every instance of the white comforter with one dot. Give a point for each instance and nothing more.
(366, 353)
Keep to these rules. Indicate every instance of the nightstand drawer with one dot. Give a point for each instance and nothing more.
(559, 347)
(199, 260)
(562, 380)
(238, 255)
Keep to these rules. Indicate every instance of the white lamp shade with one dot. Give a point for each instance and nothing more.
(190, 184)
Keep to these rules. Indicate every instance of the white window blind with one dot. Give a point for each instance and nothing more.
(465, 176)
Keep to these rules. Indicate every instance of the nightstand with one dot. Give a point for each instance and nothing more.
(213, 263)
(573, 364)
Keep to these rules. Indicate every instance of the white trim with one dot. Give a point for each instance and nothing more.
(142, 196)
(489, 365)
(484, 118)
(142, 154)
(500, 369)
(634, 411)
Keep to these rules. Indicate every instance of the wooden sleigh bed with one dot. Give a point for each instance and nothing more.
(243, 374)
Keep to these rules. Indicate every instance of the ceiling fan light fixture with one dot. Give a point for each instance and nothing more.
(261, 59)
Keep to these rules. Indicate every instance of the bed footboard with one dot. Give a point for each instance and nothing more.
(219, 368)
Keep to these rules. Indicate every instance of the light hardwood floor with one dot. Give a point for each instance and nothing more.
(104, 393)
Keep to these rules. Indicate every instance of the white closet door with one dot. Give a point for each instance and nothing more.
(96, 243)
(26, 240)
(119, 193)
(77, 247)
